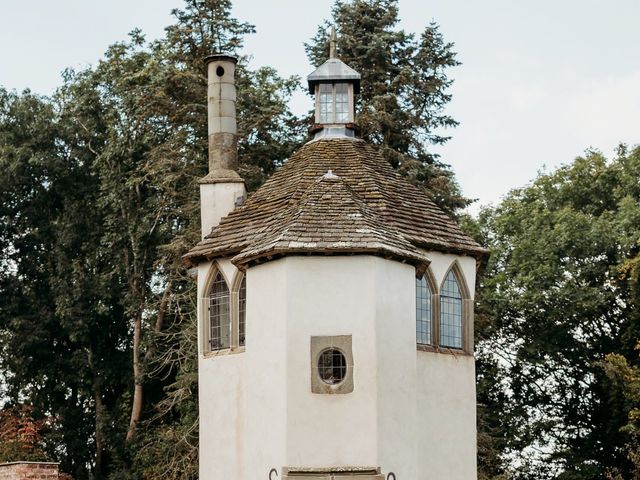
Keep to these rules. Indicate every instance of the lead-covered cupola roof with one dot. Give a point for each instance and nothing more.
(335, 196)
(333, 70)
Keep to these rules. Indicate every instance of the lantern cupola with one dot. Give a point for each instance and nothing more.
(334, 84)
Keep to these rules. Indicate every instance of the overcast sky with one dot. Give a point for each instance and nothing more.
(539, 82)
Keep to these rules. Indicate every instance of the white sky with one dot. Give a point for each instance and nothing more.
(540, 81)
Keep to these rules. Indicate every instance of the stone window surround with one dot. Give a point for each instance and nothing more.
(234, 307)
(318, 345)
(467, 313)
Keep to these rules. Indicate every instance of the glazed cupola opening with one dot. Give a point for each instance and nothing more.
(334, 85)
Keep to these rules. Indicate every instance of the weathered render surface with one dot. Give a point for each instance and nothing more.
(446, 396)
(409, 409)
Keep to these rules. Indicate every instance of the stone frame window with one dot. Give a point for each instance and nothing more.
(218, 313)
(320, 347)
(451, 318)
(224, 313)
(242, 310)
(425, 293)
(444, 315)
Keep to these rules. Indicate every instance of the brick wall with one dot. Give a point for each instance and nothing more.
(28, 471)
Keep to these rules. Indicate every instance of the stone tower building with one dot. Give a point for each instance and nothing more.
(335, 309)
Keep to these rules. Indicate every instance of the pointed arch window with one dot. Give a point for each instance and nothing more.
(423, 311)
(242, 310)
(451, 315)
(219, 314)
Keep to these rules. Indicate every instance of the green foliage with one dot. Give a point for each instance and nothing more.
(98, 202)
(404, 89)
(57, 308)
(555, 302)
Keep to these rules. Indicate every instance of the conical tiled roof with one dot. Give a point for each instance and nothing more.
(368, 208)
(331, 217)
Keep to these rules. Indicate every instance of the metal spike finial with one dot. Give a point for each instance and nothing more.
(333, 41)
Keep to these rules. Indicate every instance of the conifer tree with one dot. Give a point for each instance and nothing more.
(403, 89)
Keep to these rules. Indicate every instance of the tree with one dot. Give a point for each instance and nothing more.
(556, 302)
(403, 89)
(57, 310)
(98, 202)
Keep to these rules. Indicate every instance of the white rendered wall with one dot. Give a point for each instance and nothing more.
(221, 395)
(394, 297)
(442, 262)
(446, 417)
(446, 397)
(411, 412)
(217, 200)
(267, 357)
(330, 296)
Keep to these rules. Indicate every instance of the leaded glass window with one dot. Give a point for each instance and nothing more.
(451, 313)
(326, 103)
(342, 103)
(332, 366)
(242, 308)
(219, 314)
(423, 311)
(333, 103)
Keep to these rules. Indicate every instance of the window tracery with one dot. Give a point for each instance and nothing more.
(451, 324)
(219, 314)
(423, 311)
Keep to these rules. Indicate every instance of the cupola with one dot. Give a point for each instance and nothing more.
(334, 84)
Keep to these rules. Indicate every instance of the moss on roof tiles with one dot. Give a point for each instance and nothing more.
(298, 210)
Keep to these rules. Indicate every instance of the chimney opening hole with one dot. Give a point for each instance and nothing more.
(220, 71)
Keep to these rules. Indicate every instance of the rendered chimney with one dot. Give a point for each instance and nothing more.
(221, 109)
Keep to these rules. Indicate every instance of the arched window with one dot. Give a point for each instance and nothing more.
(242, 310)
(423, 311)
(219, 314)
(451, 329)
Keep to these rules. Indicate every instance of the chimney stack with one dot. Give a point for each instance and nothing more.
(221, 109)
(222, 189)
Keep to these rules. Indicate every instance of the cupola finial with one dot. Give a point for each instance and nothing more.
(334, 84)
(333, 42)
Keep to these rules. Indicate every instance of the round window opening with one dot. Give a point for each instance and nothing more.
(332, 366)
(220, 71)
